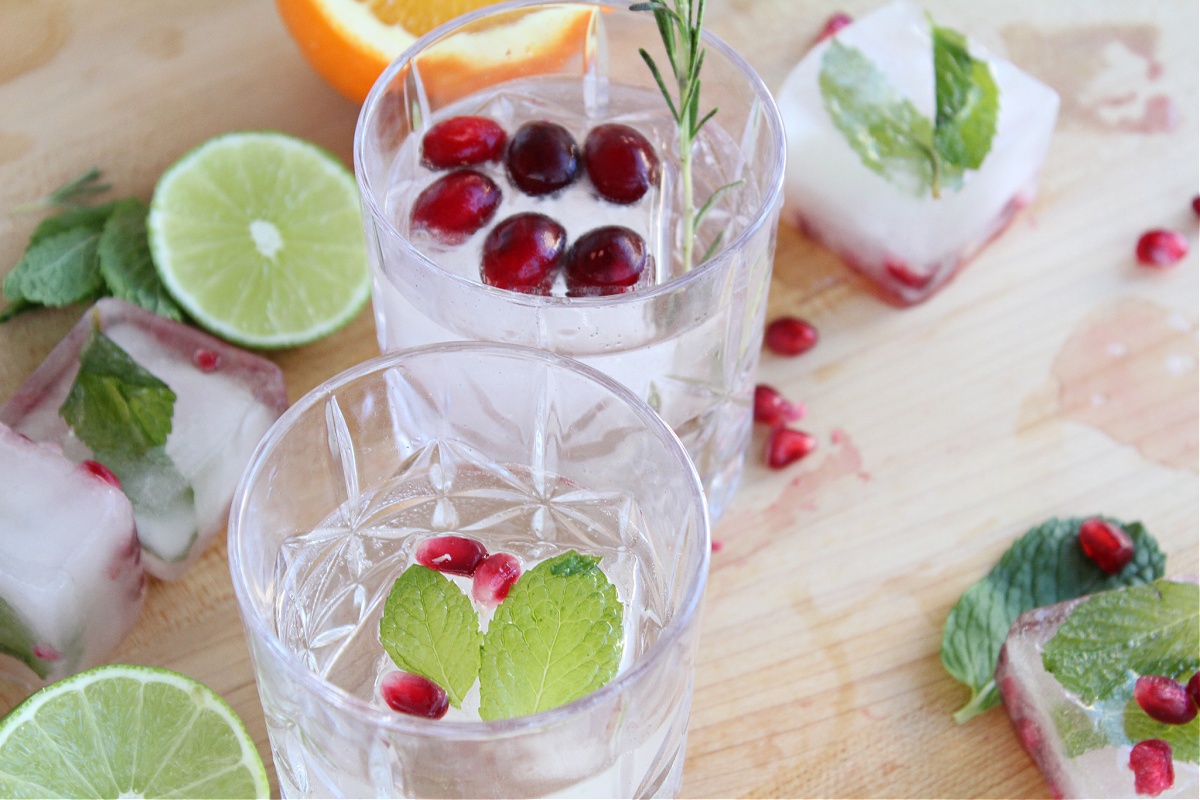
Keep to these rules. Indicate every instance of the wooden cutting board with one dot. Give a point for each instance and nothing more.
(1052, 377)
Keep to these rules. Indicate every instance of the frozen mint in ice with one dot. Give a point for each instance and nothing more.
(967, 101)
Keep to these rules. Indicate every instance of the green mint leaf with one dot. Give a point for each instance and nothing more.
(1184, 739)
(1045, 566)
(91, 218)
(968, 101)
(61, 269)
(557, 637)
(164, 503)
(16, 640)
(1142, 630)
(125, 261)
(430, 628)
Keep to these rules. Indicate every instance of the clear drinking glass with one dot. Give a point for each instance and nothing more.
(528, 452)
(687, 342)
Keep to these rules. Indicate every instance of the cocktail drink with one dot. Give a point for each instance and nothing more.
(565, 230)
(529, 457)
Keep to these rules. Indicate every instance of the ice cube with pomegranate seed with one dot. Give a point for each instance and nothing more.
(226, 399)
(907, 243)
(71, 578)
(1065, 737)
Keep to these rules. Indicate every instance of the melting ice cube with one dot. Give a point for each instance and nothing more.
(226, 399)
(71, 579)
(906, 242)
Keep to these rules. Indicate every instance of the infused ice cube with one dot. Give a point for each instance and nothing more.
(887, 226)
(71, 578)
(226, 399)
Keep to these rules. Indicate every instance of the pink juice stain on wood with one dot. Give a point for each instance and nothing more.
(1130, 371)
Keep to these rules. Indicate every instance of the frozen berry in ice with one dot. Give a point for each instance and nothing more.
(523, 253)
(415, 695)
(790, 336)
(605, 261)
(772, 408)
(1153, 770)
(100, 471)
(620, 161)
(462, 142)
(834, 24)
(494, 577)
(542, 158)
(1108, 545)
(1164, 699)
(785, 446)
(905, 275)
(1161, 248)
(457, 555)
(456, 205)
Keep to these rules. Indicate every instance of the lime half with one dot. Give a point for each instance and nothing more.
(126, 731)
(259, 237)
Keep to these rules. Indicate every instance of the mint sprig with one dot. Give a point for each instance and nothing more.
(1045, 566)
(125, 262)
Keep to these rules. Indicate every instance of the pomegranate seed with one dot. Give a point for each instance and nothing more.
(1193, 689)
(1164, 699)
(906, 275)
(46, 652)
(414, 694)
(1153, 771)
(100, 471)
(206, 360)
(717, 545)
(457, 555)
(1196, 205)
(494, 577)
(789, 336)
(456, 205)
(523, 253)
(834, 24)
(605, 261)
(1161, 248)
(1108, 545)
(462, 142)
(1030, 735)
(785, 445)
(542, 158)
(620, 161)
(772, 408)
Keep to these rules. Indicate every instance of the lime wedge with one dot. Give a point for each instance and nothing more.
(126, 731)
(259, 237)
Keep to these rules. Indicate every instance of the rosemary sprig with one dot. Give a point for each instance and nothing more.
(72, 194)
(679, 25)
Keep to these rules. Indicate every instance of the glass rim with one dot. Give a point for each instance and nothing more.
(264, 629)
(761, 216)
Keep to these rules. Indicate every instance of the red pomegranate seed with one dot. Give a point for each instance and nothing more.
(790, 336)
(100, 471)
(1193, 689)
(1153, 771)
(456, 205)
(1108, 545)
(605, 261)
(772, 408)
(1164, 699)
(1161, 248)
(785, 446)
(206, 360)
(542, 158)
(1196, 205)
(414, 694)
(494, 577)
(523, 253)
(906, 275)
(834, 24)
(462, 142)
(46, 652)
(457, 555)
(620, 161)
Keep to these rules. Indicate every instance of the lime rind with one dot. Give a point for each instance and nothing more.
(304, 278)
(87, 736)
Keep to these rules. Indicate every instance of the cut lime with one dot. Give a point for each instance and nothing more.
(126, 731)
(259, 237)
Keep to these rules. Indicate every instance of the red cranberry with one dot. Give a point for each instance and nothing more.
(414, 694)
(785, 446)
(789, 336)
(620, 161)
(1193, 689)
(457, 555)
(604, 261)
(1153, 771)
(462, 142)
(100, 471)
(494, 577)
(906, 275)
(834, 24)
(206, 360)
(1108, 545)
(1164, 699)
(523, 253)
(1161, 248)
(772, 408)
(456, 205)
(542, 158)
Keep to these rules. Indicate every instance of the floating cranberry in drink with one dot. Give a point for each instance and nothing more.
(462, 142)
(542, 158)
(523, 253)
(620, 162)
(605, 261)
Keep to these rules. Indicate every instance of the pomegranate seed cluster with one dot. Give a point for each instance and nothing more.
(787, 336)
(526, 252)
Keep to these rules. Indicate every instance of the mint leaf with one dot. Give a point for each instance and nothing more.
(125, 261)
(1184, 739)
(430, 628)
(16, 640)
(91, 218)
(1142, 630)
(556, 638)
(1045, 566)
(164, 502)
(1078, 732)
(60, 269)
(968, 101)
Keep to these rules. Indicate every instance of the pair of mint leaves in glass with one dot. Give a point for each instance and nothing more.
(557, 636)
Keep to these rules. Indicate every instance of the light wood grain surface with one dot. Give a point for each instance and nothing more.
(1052, 377)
